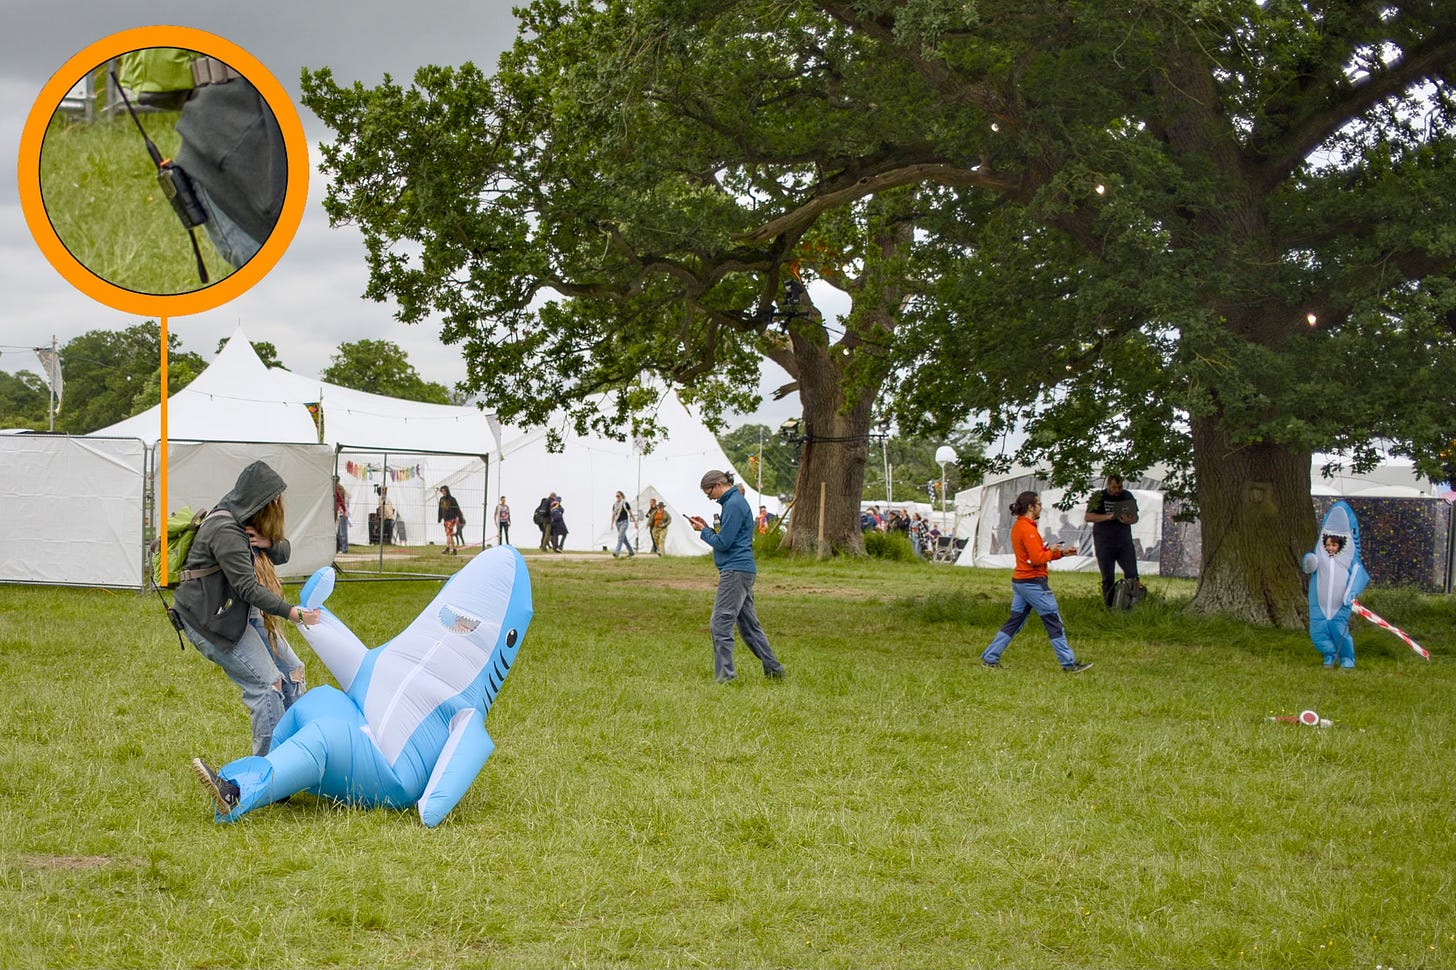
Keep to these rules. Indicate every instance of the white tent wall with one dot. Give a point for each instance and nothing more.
(990, 545)
(588, 472)
(73, 510)
(199, 473)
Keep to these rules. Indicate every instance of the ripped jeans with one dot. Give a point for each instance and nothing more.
(258, 671)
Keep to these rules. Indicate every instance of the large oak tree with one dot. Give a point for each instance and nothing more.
(1214, 235)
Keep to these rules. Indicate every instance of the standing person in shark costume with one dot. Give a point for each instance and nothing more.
(1337, 578)
(409, 725)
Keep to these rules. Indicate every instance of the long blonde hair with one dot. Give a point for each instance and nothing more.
(268, 522)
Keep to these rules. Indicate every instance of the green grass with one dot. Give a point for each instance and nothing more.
(102, 198)
(889, 804)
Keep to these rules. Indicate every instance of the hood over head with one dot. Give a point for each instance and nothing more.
(257, 485)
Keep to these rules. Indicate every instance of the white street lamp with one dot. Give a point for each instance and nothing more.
(944, 455)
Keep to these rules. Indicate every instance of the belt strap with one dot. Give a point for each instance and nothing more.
(210, 70)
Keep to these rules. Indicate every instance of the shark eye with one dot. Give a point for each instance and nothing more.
(511, 638)
(457, 622)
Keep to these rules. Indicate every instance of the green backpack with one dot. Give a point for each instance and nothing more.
(182, 526)
(159, 77)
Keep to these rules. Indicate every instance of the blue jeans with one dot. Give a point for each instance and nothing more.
(622, 542)
(1028, 595)
(258, 672)
(343, 543)
(230, 240)
(734, 606)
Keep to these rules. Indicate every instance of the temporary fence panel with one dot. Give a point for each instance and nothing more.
(73, 510)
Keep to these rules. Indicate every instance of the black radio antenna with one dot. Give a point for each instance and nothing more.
(176, 185)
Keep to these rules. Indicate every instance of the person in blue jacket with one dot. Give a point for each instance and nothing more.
(1337, 577)
(733, 555)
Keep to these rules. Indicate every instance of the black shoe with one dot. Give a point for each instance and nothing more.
(991, 664)
(223, 792)
(1077, 668)
(775, 674)
(725, 680)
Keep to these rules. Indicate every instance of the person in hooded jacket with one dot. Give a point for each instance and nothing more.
(229, 598)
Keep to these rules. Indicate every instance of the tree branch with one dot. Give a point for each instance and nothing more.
(1334, 112)
(937, 172)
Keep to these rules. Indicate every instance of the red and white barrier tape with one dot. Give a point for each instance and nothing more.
(1374, 618)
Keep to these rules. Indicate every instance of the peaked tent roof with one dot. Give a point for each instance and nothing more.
(238, 398)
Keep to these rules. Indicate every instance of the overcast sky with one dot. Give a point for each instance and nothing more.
(311, 301)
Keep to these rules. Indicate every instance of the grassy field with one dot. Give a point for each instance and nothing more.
(890, 804)
(102, 198)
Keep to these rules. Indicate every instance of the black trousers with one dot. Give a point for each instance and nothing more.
(1113, 553)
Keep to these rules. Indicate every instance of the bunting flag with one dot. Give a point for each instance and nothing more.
(316, 411)
(359, 469)
(1373, 618)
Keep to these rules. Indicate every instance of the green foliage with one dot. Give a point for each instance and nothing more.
(778, 458)
(24, 400)
(889, 804)
(381, 367)
(892, 546)
(112, 374)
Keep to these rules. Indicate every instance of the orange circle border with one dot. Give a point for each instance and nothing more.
(154, 304)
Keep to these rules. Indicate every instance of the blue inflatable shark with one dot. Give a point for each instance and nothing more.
(408, 728)
(1337, 577)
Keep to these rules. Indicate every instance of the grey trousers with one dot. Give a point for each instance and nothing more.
(733, 606)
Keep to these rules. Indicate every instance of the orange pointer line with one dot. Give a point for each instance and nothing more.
(162, 460)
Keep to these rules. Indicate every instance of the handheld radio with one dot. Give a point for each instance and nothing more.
(175, 183)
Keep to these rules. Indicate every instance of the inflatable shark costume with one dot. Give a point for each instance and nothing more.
(1336, 581)
(409, 725)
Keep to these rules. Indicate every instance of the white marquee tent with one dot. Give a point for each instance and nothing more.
(412, 448)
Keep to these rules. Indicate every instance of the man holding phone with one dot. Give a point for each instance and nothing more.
(733, 555)
(1112, 512)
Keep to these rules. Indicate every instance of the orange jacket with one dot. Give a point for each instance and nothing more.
(1032, 555)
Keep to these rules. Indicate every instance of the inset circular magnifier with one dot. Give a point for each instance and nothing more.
(184, 184)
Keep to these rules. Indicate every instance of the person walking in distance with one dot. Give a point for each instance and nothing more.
(503, 521)
(448, 512)
(542, 518)
(622, 517)
(1030, 590)
(732, 545)
(341, 516)
(657, 521)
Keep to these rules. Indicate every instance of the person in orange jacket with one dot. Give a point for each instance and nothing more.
(1030, 589)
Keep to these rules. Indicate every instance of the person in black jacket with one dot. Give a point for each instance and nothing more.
(1112, 512)
(453, 518)
(229, 598)
(542, 518)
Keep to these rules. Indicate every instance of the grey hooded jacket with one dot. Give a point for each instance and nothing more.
(217, 605)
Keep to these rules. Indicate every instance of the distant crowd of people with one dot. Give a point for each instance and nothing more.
(923, 534)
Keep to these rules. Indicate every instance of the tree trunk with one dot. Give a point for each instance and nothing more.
(1257, 521)
(832, 460)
